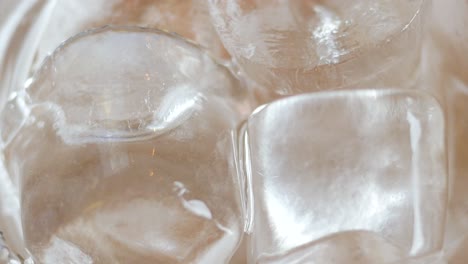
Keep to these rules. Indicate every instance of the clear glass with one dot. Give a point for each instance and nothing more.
(290, 47)
(122, 151)
(330, 162)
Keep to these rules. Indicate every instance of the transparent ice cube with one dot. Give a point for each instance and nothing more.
(330, 162)
(298, 46)
(123, 152)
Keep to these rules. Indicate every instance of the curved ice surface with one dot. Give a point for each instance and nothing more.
(113, 125)
(126, 85)
(30, 30)
(297, 46)
(189, 19)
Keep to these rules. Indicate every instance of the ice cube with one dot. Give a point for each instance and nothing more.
(330, 162)
(298, 46)
(34, 29)
(125, 152)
